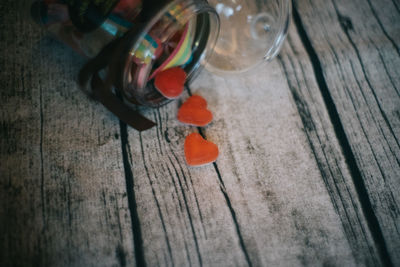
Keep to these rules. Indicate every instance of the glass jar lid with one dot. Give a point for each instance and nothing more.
(251, 31)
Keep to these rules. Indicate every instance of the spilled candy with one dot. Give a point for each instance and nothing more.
(194, 111)
(199, 151)
(170, 82)
(196, 100)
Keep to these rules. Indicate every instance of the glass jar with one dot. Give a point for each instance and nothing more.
(130, 41)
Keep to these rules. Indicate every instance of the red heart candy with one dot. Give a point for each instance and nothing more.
(196, 100)
(199, 151)
(170, 82)
(194, 111)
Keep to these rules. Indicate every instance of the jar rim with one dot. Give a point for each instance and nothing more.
(134, 89)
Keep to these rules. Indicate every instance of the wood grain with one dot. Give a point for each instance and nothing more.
(263, 203)
(356, 45)
(307, 173)
(62, 187)
(327, 150)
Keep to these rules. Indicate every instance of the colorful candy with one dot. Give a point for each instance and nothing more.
(179, 48)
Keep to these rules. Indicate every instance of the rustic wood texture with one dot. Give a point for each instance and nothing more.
(308, 173)
(63, 201)
(356, 44)
(247, 209)
(327, 151)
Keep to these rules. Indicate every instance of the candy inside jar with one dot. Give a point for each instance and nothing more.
(156, 36)
(181, 37)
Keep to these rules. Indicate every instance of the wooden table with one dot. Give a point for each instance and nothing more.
(308, 172)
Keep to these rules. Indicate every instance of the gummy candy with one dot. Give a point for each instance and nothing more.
(194, 111)
(196, 101)
(199, 151)
(170, 82)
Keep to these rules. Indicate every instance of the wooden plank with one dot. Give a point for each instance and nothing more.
(269, 200)
(356, 46)
(62, 187)
(263, 203)
(176, 228)
(326, 149)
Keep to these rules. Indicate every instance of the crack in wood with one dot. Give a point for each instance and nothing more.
(343, 141)
(156, 200)
(396, 47)
(194, 192)
(41, 161)
(233, 214)
(227, 200)
(306, 117)
(379, 128)
(187, 207)
(366, 76)
(135, 222)
(180, 209)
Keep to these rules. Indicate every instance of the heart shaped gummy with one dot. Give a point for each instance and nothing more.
(196, 100)
(194, 111)
(170, 82)
(199, 151)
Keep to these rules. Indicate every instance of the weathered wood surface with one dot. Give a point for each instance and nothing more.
(249, 208)
(63, 201)
(356, 45)
(309, 156)
(326, 149)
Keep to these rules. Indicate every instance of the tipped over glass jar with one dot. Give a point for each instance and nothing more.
(128, 42)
